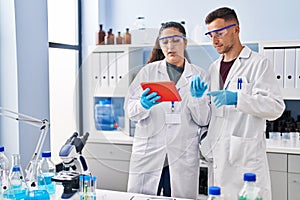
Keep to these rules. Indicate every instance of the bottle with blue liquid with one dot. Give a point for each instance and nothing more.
(104, 115)
(46, 170)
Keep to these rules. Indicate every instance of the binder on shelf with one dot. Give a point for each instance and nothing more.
(104, 69)
(122, 70)
(269, 53)
(166, 89)
(279, 65)
(112, 69)
(96, 69)
(297, 72)
(289, 68)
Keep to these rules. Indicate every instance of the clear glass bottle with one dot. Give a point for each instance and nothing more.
(46, 170)
(249, 190)
(4, 171)
(140, 23)
(101, 35)
(127, 37)
(214, 193)
(119, 39)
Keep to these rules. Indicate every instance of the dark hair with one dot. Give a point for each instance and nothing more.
(224, 13)
(172, 25)
(156, 53)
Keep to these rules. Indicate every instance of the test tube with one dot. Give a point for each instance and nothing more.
(94, 186)
(81, 187)
(87, 188)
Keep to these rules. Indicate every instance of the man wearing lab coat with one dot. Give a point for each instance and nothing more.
(244, 94)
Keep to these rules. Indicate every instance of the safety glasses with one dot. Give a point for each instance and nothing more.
(219, 33)
(174, 39)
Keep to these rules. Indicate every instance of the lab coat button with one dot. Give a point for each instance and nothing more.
(215, 166)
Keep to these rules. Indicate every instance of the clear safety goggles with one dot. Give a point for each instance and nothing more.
(219, 33)
(174, 39)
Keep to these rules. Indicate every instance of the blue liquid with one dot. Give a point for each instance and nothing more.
(45, 183)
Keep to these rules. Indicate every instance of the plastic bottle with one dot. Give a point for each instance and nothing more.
(249, 191)
(104, 115)
(101, 35)
(214, 193)
(4, 170)
(127, 37)
(119, 39)
(46, 170)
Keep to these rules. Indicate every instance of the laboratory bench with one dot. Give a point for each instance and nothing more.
(113, 195)
(108, 156)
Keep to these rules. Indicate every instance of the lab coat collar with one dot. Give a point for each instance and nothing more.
(244, 54)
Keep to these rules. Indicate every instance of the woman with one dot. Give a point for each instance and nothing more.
(168, 130)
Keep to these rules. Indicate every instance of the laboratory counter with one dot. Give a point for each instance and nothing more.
(118, 137)
(113, 195)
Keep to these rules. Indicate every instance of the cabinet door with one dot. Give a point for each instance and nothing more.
(111, 174)
(279, 185)
(294, 186)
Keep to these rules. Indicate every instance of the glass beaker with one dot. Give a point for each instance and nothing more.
(15, 161)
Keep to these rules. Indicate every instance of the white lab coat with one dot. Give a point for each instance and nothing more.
(157, 134)
(235, 143)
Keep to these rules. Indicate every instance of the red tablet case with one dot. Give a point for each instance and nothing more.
(166, 89)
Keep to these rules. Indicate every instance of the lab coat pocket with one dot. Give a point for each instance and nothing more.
(240, 84)
(139, 148)
(243, 151)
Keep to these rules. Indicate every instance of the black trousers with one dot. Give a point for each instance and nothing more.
(164, 183)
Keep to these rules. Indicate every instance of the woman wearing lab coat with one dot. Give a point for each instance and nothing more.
(165, 129)
(242, 102)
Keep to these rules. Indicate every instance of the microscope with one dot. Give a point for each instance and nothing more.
(72, 166)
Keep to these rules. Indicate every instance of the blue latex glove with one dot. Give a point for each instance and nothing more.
(223, 97)
(148, 100)
(197, 87)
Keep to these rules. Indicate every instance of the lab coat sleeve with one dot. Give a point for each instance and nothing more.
(265, 99)
(200, 110)
(132, 106)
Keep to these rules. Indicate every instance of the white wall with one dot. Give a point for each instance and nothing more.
(259, 19)
(24, 72)
(8, 76)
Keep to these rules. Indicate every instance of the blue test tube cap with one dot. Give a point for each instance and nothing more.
(46, 154)
(87, 178)
(1, 148)
(214, 190)
(250, 177)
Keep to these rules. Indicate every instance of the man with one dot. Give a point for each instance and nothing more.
(245, 94)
